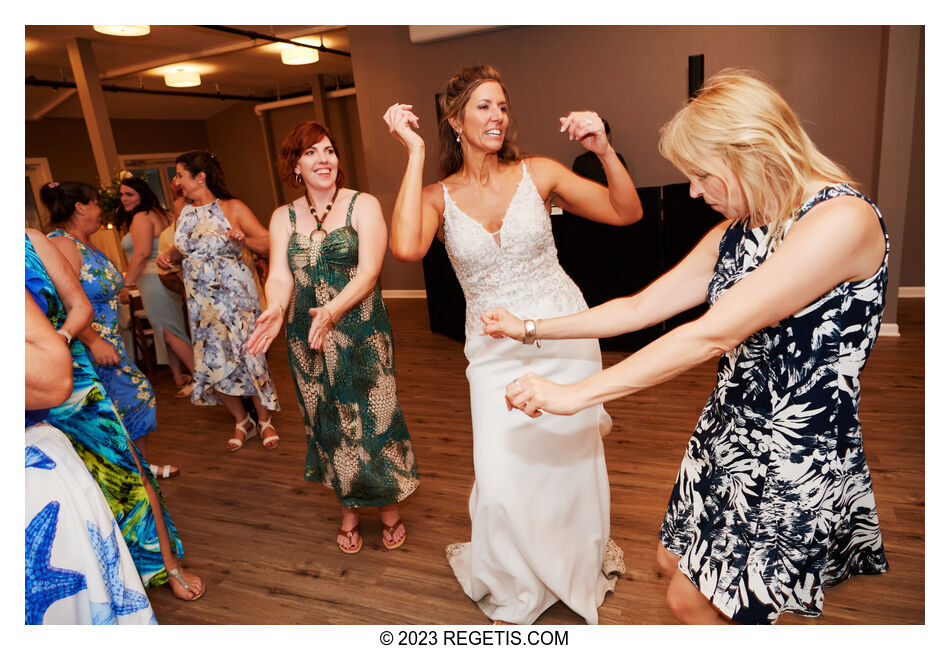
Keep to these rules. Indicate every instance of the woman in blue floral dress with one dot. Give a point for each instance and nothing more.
(222, 297)
(126, 385)
(773, 501)
(90, 420)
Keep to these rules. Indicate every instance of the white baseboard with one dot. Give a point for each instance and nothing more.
(910, 292)
(403, 293)
(889, 329)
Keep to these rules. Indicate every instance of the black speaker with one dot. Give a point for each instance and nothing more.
(695, 74)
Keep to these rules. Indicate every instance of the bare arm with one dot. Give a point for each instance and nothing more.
(102, 351)
(49, 365)
(65, 276)
(682, 287)
(256, 236)
(840, 241)
(415, 214)
(277, 289)
(618, 204)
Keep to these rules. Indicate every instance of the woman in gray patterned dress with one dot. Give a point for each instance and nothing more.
(773, 500)
(222, 298)
(325, 265)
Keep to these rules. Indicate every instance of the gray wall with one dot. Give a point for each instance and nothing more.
(634, 76)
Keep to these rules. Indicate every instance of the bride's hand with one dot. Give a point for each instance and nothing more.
(401, 120)
(534, 394)
(499, 323)
(587, 128)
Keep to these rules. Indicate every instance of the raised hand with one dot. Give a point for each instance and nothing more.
(499, 323)
(266, 328)
(401, 121)
(587, 128)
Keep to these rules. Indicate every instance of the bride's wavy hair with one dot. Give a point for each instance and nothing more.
(452, 103)
(745, 122)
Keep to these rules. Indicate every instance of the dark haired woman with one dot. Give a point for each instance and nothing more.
(327, 249)
(223, 301)
(540, 506)
(146, 219)
(126, 385)
(90, 419)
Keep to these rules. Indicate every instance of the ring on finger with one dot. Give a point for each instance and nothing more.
(589, 122)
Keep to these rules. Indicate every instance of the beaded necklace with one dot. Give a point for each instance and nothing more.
(321, 219)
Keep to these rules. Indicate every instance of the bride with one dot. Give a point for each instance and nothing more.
(540, 506)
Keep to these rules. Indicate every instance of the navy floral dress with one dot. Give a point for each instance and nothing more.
(773, 499)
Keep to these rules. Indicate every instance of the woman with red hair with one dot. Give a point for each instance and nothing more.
(327, 249)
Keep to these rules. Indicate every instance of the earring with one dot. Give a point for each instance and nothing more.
(458, 136)
(297, 178)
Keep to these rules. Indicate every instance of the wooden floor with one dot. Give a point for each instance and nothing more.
(263, 539)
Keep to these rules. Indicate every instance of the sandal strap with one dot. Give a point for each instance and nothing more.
(176, 574)
(355, 530)
(392, 529)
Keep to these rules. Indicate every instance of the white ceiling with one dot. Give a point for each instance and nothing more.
(228, 64)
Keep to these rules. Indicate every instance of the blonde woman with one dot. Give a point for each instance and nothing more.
(773, 500)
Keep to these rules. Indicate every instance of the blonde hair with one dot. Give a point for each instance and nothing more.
(745, 122)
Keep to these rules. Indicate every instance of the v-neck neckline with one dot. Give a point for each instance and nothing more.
(504, 218)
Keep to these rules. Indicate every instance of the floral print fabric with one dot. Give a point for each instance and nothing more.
(222, 306)
(773, 500)
(357, 440)
(126, 385)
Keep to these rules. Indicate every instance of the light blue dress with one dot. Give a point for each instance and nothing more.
(163, 307)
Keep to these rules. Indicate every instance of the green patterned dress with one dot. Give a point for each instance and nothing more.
(357, 440)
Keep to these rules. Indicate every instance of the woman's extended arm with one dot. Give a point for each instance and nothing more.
(65, 276)
(277, 289)
(49, 365)
(368, 222)
(833, 244)
(681, 288)
(415, 219)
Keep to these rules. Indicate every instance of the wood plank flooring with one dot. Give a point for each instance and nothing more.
(263, 539)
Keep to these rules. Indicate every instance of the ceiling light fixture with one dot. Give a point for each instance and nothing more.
(295, 55)
(123, 30)
(182, 78)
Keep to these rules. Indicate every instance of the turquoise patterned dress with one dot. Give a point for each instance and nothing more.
(222, 307)
(357, 440)
(773, 501)
(93, 426)
(126, 385)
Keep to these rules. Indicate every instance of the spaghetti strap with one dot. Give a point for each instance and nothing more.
(349, 210)
(293, 216)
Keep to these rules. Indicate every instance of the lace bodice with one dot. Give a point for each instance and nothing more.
(520, 272)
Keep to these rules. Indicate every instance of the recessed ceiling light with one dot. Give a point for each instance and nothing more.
(295, 55)
(122, 30)
(182, 79)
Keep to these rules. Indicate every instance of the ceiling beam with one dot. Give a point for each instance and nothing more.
(179, 58)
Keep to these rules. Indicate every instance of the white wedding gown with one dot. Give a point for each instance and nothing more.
(540, 506)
